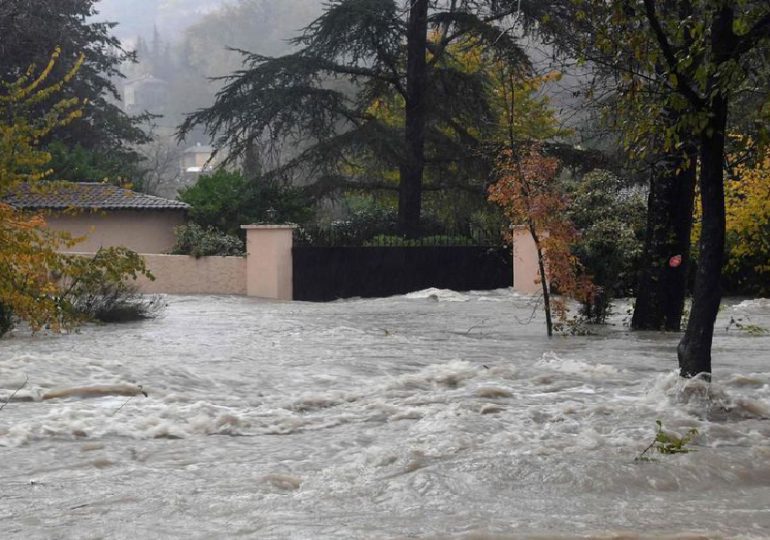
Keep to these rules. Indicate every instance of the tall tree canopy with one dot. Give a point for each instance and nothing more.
(689, 60)
(31, 30)
(358, 53)
(38, 283)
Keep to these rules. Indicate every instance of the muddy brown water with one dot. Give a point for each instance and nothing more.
(432, 415)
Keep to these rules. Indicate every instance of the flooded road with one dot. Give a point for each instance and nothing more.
(432, 415)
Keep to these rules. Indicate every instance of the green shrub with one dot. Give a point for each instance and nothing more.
(611, 221)
(99, 288)
(194, 240)
(112, 302)
(226, 200)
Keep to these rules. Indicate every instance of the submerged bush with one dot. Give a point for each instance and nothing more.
(99, 288)
(611, 221)
(116, 303)
(197, 241)
(85, 289)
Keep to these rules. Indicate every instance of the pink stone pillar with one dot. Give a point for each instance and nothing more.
(525, 270)
(269, 263)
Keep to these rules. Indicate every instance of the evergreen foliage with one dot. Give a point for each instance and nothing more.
(680, 67)
(226, 200)
(354, 55)
(198, 241)
(611, 220)
(31, 30)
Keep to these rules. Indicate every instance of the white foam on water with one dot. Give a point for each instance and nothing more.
(438, 295)
(275, 420)
(550, 361)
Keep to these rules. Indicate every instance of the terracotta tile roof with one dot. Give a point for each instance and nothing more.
(88, 195)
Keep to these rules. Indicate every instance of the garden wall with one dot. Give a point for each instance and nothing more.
(264, 272)
(526, 272)
(274, 268)
(182, 274)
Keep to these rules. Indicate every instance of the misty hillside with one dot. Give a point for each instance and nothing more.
(170, 16)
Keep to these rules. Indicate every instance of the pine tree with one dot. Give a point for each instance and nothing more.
(356, 53)
(31, 30)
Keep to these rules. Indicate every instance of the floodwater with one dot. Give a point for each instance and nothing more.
(432, 415)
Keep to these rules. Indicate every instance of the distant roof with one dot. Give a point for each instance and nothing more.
(146, 78)
(88, 195)
(200, 149)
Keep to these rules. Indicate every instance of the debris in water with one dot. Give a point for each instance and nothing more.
(283, 481)
(96, 391)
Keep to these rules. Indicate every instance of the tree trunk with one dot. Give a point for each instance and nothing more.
(411, 170)
(6, 320)
(694, 349)
(662, 287)
(543, 279)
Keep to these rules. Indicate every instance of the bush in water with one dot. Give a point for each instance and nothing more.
(98, 288)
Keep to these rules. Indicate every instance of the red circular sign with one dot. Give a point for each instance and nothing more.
(675, 261)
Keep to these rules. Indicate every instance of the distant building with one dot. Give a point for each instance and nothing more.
(197, 160)
(145, 93)
(105, 215)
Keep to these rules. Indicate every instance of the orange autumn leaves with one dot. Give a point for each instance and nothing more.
(28, 261)
(29, 258)
(528, 194)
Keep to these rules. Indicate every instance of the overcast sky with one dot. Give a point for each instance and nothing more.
(170, 16)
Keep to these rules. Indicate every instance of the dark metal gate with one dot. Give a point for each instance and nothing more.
(329, 273)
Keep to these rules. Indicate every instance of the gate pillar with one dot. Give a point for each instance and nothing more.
(268, 261)
(526, 273)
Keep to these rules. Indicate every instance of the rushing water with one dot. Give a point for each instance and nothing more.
(431, 415)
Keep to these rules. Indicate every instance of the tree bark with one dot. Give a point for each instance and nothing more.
(543, 279)
(411, 170)
(694, 351)
(662, 288)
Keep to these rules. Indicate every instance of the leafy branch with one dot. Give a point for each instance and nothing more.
(666, 443)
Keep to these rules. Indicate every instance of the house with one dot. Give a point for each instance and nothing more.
(196, 160)
(106, 215)
(145, 93)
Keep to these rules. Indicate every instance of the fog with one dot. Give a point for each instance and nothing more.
(182, 46)
(171, 17)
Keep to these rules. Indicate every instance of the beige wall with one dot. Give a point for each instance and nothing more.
(144, 231)
(525, 268)
(181, 274)
(269, 271)
(266, 272)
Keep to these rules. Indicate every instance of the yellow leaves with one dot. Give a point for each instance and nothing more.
(20, 133)
(747, 205)
(747, 225)
(29, 252)
(28, 90)
(28, 259)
